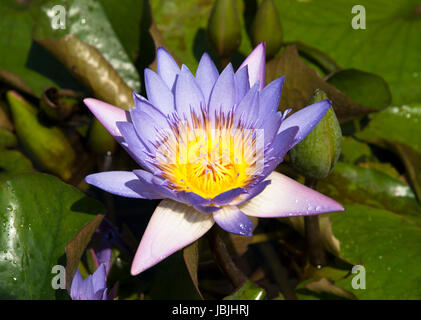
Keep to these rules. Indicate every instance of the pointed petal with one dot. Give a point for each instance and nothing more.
(248, 107)
(270, 97)
(251, 193)
(206, 76)
(159, 94)
(146, 128)
(227, 196)
(123, 183)
(231, 219)
(108, 115)
(242, 84)
(285, 197)
(172, 227)
(256, 65)
(99, 278)
(306, 119)
(223, 93)
(134, 146)
(77, 283)
(188, 96)
(167, 67)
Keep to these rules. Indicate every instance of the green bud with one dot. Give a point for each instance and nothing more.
(316, 155)
(267, 27)
(48, 147)
(7, 139)
(224, 28)
(100, 140)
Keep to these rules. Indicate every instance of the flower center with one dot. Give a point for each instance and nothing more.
(209, 159)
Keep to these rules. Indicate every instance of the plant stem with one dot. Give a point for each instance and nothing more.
(312, 233)
(278, 271)
(223, 259)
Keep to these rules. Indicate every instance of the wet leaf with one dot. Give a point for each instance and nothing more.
(387, 244)
(87, 20)
(353, 184)
(300, 83)
(35, 228)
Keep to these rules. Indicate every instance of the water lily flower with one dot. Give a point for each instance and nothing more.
(209, 144)
(94, 287)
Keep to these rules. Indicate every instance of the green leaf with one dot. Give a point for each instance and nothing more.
(400, 124)
(248, 291)
(7, 139)
(389, 46)
(354, 151)
(39, 215)
(87, 20)
(353, 184)
(191, 259)
(13, 162)
(365, 88)
(387, 245)
(17, 52)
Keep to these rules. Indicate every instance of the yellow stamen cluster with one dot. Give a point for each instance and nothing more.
(209, 158)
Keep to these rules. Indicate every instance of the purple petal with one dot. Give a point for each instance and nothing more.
(207, 209)
(206, 76)
(270, 126)
(123, 183)
(153, 187)
(191, 198)
(223, 93)
(167, 67)
(172, 227)
(270, 97)
(159, 94)
(99, 278)
(146, 128)
(251, 193)
(134, 146)
(242, 85)
(306, 119)
(248, 107)
(76, 287)
(231, 219)
(227, 196)
(188, 96)
(256, 65)
(280, 146)
(108, 115)
(285, 197)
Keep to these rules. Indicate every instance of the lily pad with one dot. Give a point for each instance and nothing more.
(389, 46)
(39, 215)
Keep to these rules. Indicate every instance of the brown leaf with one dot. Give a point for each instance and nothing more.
(191, 259)
(88, 65)
(300, 83)
(76, 247)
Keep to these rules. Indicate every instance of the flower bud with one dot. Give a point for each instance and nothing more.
(267, 27)
(316, 155)
(48, 147)
(224, 28)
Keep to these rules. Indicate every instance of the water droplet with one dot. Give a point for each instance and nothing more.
(83, 21)
(380, 257)
(14, 278)
(318, 208)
